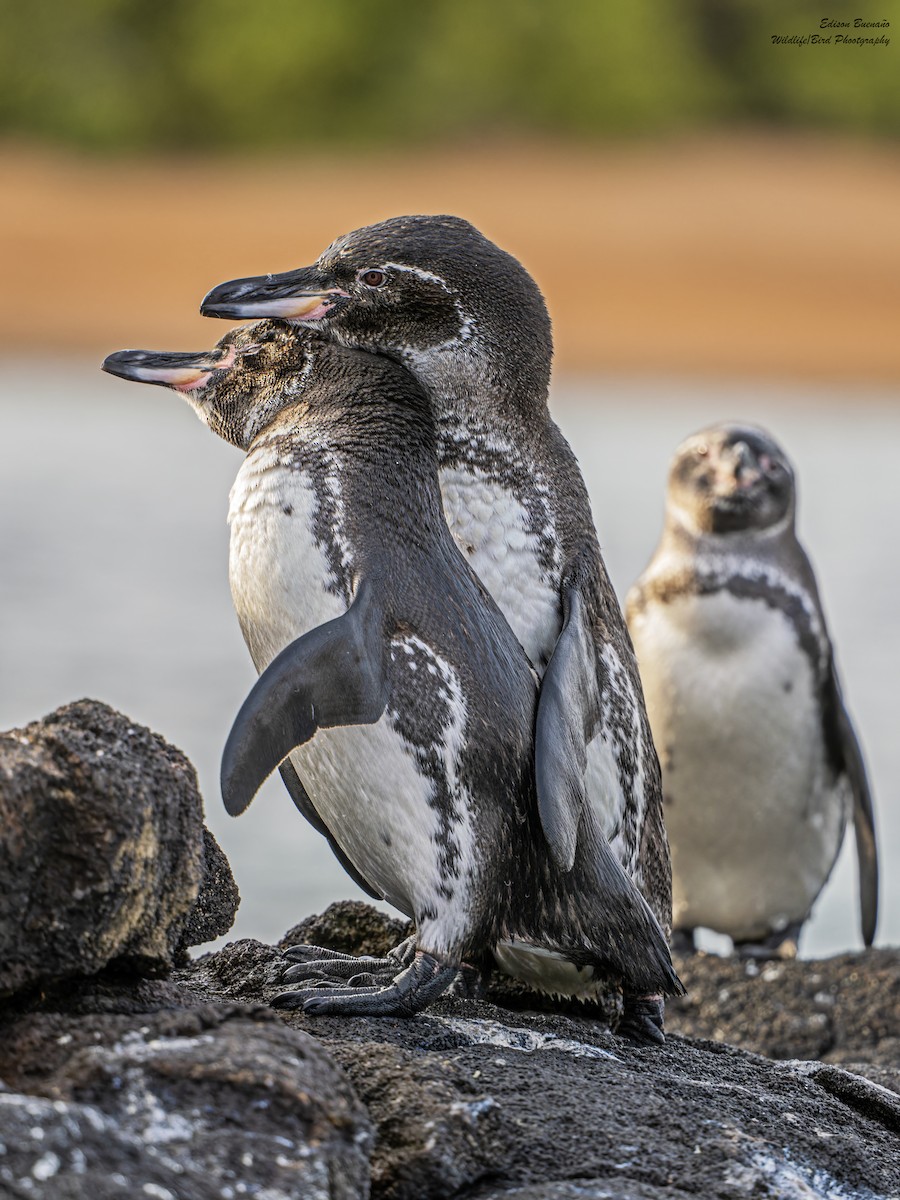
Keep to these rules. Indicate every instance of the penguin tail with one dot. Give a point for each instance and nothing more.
(624, 936)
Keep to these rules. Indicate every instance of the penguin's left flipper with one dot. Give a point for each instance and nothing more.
(334, 675)
(412, 990)
(844, 745)
(568, 710)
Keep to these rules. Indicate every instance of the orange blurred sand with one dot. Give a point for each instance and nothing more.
(752, 256)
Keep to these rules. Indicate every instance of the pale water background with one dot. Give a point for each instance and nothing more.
(114, 585)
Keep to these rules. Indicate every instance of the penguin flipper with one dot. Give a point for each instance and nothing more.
(848, 749)
(568, 709)
(334, 675)
(302, 802)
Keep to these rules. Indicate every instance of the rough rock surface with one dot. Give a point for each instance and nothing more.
(469, 1099)
(190, 1088)
(218, 899)
(189, 1105)
(101, 849)
(842, 1010)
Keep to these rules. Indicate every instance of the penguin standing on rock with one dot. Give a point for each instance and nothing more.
(760, 760)
(391, 678)
(468, 321)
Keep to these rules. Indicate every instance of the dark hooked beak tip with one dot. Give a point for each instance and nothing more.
(289, 297)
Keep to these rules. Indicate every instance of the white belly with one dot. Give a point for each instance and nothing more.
(753, 823)
(366, 788)
(282, 582)
(491, 528)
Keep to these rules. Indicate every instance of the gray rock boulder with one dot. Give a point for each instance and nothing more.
(193, 1105)
(101, 849)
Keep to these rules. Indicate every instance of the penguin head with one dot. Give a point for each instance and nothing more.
(730, 478)
(416, 288)
(238, 387)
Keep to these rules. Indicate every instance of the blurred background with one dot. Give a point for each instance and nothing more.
(714, 219)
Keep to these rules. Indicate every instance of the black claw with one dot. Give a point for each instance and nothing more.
(289, 1000)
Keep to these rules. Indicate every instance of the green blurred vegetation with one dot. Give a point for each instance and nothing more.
(196, 74)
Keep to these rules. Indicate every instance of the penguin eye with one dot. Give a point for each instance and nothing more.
(372, 278)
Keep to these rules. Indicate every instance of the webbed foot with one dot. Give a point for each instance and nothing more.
(417, 986)
(315, 963)
(643, 1020)
(682, 941)
(781, 943)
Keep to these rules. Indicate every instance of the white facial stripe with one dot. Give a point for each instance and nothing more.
(420, 273)
(466, 322)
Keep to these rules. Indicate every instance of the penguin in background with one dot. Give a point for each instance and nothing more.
(469, 323)
(394, 684)
(761, 763)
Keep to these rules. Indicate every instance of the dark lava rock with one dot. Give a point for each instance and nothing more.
(200, 1105)
(472, 1100)
(843, 1010)
(189, 1088)
(101, 849)
(467, 1100)
(218, 900)
(350, 927)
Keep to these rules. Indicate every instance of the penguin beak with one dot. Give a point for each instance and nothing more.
(303, 295)
(741, 470)
(183, 371)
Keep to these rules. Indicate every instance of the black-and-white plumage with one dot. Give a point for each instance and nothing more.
(470, 324)
(761, 765)
(390, 676)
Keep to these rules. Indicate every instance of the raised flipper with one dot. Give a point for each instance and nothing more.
(302, 802)
(568, 711)
(845, 748)
(334, 675)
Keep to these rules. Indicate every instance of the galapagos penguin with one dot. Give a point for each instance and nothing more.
(469, 322)
(391, 678)
(760, 760)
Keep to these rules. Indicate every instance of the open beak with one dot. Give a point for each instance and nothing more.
(303, 295)
(177, 369)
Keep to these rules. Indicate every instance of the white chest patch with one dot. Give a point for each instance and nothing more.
(282, 581)
(753, 823)
(491, 528)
